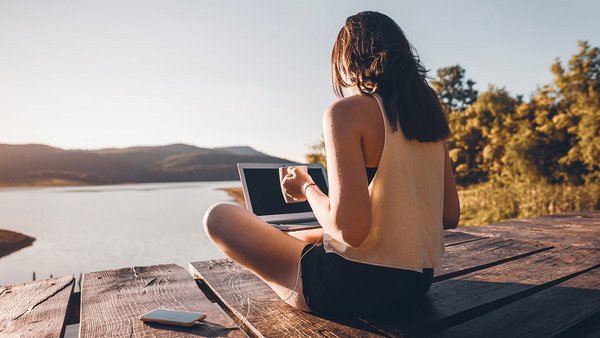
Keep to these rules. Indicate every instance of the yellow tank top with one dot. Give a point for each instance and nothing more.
(407, 204)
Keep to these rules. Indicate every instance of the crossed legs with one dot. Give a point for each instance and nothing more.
(271, 254)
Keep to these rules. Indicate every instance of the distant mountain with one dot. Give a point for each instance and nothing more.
(149, 157)
(241, 150)
(37, 164)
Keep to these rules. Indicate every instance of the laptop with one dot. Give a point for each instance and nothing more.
(262, 192)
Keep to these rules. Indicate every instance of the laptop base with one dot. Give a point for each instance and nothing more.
(294, 227)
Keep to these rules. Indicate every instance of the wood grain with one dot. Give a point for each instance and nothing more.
(463, 298)
(255, 306)
(544, 314)
(113, 300)
(476, 255)
(35, 309)
(571, 229)
(457, 237)
(579, 218)
(484, 269)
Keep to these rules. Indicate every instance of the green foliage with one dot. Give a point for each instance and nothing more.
(554, 137)
(578, 91)
(477, 143)
(316, 153)
(543, 140)
(492, 202)
(558, 136)
(455, 93)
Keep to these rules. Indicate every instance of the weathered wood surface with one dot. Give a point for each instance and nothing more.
(463, 298)
(572, 229)
(477, 255)
(456, 237)
(494, 279)
(545, 314)
(575, 219)
(35, 309)
(113, 300)
(261, 311)
(238, 288)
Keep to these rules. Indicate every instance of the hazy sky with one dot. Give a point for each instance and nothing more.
(92, 74)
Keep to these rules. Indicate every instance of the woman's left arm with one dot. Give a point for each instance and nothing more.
(345, 214)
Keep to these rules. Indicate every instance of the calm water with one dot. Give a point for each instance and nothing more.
(81, 229)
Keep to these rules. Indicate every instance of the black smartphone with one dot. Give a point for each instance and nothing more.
(172, 317)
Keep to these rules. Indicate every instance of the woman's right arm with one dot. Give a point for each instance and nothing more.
(451, 203)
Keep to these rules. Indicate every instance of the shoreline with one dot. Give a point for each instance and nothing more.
(11, 241)
(65, 183)
(237, 194)
(43, 184)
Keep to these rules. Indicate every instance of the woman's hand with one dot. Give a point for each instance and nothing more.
(295, 181)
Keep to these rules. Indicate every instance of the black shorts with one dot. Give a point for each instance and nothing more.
(333, 285)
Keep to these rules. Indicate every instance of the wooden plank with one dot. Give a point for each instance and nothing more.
(545, 314)
(476, 255)
(261, 311)
(579, 218)
(113, 300)
(590, 328)
(554, 235)
(554, 224)
(463, 298)
(457, 237)
(36, 308)
(568, 229)
(468, 256)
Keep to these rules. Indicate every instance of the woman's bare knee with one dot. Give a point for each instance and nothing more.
(241, 236)
(216, 218)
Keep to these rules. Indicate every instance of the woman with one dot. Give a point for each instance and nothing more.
(381, 232)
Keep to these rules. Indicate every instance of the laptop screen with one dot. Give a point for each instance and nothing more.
(265, 193)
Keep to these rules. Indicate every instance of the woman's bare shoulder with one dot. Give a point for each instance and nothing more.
(353, 102)
(350, 110)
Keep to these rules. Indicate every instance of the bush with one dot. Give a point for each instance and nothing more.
(493, 201)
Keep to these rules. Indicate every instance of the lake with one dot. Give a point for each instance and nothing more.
(92, 228)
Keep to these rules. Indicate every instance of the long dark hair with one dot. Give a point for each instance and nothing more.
(372, 53)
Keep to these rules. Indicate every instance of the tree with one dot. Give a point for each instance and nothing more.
(316, 152)
(541, 138)
(578, 89)
(454, 92)
(559, 135)
(479, 134)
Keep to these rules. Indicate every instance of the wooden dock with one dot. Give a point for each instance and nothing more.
(537, 277)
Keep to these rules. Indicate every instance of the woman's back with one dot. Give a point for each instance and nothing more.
(373, 134)
(406, 196)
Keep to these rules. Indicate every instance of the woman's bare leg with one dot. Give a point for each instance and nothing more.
(308, 235)
(271, 254)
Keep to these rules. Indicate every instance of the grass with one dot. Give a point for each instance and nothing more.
(492, 202)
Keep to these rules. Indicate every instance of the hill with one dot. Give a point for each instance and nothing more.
(37, 164)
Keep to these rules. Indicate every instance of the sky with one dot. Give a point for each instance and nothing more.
(94, 74)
